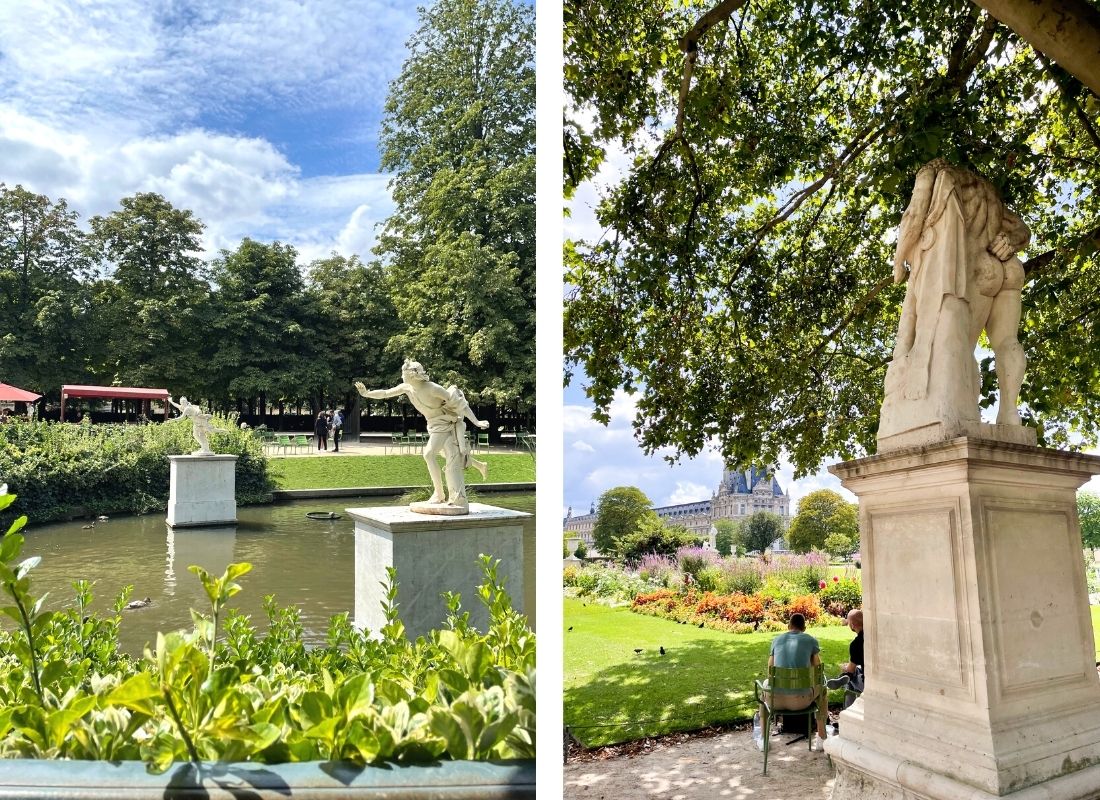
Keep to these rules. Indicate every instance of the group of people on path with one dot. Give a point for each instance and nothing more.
(330, 422)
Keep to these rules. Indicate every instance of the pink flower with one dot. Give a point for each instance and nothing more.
(836, 579)
(821, 584)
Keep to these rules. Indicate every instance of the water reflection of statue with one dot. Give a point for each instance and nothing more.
(960, 243)
(446, 411)
(202, 427)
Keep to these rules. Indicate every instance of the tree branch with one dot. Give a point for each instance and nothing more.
(857, 309)
(1060, 82)
(1038, 263)
(689, 44)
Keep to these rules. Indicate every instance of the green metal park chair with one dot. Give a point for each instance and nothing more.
(793, 678)
(301, 440)
(283, 443)
(483, 442)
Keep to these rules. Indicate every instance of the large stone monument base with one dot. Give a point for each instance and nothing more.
(432, 555)
(202, 490)
(981, 679)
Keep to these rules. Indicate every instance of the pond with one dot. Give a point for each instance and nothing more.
(306, 563)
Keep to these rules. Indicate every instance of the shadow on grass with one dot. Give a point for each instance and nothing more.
(704, 677)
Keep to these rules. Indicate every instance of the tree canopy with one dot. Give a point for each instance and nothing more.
(757, 533)
(1088, 510)
(619, 511)
(821, 514)
(743, 277)
(726, 536)
(460, 249)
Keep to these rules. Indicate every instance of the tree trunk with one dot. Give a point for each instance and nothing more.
(1068, 31)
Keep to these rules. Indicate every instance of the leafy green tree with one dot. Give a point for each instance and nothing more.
(839, 546)
(1088, 510)
(726, 537)
(44, 306)
(820, 514)
(652, 536)
(581, 552)
(620, 511)
(262, 333)
(772, 149)
(154, 306)
(460, 248)
(759, 531)
(355, 321)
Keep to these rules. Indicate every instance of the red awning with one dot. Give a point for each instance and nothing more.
(126, 392)
(14, 394)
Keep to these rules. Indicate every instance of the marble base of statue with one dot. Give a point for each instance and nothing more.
(202, 490)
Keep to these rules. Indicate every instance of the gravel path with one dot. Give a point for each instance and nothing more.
(727, 765)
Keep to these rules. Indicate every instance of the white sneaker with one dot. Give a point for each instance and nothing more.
(819, 744)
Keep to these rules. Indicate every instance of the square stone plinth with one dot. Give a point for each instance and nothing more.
(202, 490)
(432, 555)
(981, 679)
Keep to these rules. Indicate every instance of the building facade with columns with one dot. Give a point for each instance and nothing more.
(741, 494)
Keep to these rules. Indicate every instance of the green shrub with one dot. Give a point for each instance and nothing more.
(841, 596)
(59, 470)
(710, 579)
(67, 692)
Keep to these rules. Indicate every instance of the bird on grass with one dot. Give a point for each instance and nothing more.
(570, 627)
(662, 649)
(637, 649)
(702, 624)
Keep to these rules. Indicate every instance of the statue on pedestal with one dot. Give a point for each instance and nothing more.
(959, 243)
(202, 427)
(446, 411)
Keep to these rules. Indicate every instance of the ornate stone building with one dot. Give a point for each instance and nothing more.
(741, 494)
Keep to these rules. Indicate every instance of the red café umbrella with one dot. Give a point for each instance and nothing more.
(15, 394)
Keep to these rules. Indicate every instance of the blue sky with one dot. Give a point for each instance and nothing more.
(262, 118)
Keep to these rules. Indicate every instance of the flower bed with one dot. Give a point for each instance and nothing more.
(739, 595)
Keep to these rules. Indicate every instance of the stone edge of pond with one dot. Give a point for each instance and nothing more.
(44, 779)
(280, 495)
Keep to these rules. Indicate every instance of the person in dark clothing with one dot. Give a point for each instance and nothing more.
(320, 430)
(852, 673)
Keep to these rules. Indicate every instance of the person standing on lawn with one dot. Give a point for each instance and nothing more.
(795, 649)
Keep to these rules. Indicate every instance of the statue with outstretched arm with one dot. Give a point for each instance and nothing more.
(201, 425)
(446, 412)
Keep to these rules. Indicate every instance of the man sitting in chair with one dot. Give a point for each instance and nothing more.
(795, 649)
(851, 675)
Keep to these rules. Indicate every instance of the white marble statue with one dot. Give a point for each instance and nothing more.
(202, 427)
(446, 411)
(957, 247)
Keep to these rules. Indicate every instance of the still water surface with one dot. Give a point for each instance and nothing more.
(303, 563)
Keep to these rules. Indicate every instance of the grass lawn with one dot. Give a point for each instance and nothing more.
(613, 694)
(395, 470)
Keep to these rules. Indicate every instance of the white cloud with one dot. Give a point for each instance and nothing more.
(238, 186)
(686, 492)
(583, 447)
(144, 59)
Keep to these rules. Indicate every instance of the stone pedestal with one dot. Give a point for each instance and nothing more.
(202, 490)
(980, 657)
(432, 555)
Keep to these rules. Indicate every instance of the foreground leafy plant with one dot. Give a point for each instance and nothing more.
(66, 692)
